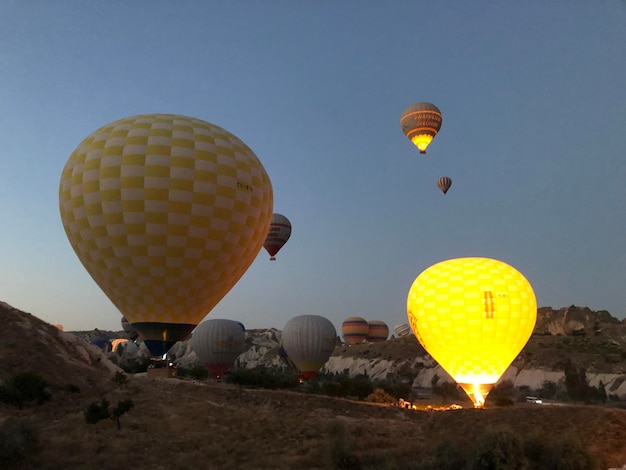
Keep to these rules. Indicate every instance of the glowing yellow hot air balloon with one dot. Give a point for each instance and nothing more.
(166, 213)
(473, 316)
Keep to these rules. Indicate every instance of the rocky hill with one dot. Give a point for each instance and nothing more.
(591, 339)
(63, 359)
(177, 423)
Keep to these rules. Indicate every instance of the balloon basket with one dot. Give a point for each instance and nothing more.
(162, 369)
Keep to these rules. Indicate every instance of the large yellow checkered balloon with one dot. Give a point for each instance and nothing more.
(473, 316)
(166, 213)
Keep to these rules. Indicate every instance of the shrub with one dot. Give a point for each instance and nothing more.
(379, 396)
(196, 372)
(122, 407)
(448, 456)
(136, 367)
(24, 387)
(499, 450)
(564, 453)
(503, 394)
(262, 377)
(96, 412)
(120, 378)
(19, 440)
(548, 389)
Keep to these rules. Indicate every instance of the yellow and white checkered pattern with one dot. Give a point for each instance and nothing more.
(473, 316)
(166, 213)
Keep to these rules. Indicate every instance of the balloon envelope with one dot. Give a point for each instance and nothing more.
(377, 331)
(421, 122)
(402, 329)
(102, 343)
(218, 343)
(308, 341)
(354, 330)
(444, 183)
(473, 316)
(117, 342)
(166, 213)
(279, 233)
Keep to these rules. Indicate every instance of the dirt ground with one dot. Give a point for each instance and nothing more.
(185, 424)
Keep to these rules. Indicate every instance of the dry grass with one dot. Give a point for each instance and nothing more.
(185, 424)
(181, 424)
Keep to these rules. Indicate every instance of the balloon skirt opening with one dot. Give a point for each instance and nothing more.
(477, 393)
(160, 337)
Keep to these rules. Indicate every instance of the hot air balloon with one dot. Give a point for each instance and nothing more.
(377, 331)
(308, 341)
(218, 343)
(473, 316)
(444, 184)
(102, 343)
(402, 329)
(117, 342)
(421, 122)
(354, 330)
(166, 213)
(279, 233)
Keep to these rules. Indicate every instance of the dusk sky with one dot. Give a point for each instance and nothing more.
(533, 97)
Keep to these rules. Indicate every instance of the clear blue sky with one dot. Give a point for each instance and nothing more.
(533, 96)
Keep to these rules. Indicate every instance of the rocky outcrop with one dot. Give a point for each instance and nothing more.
(572, 320)
(594, 340)
(61, 358)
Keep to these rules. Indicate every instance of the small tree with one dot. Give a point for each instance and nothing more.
(122, 407)
(576, 382)
(446, 390)
(96, 412)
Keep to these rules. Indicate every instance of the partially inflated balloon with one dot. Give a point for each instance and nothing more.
(308, 341)
(279, 233)
(117, 342)
(377, 331)
(402, 329)
(473, 316)
(354, 330)
(421, 122)
(166, 213)
(218, 343)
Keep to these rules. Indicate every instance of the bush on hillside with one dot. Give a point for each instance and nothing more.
(196, 372)
(262, 377)
(96, 412)
(23, 388)
(379, 396)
